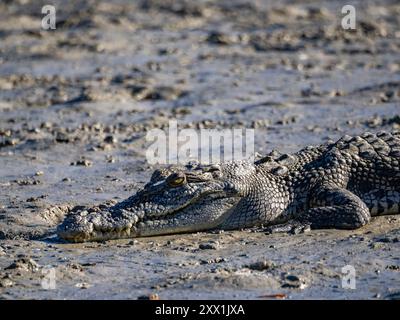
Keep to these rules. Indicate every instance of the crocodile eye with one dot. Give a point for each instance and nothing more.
(176, 180)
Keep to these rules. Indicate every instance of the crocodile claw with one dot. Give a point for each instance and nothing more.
(292, 227)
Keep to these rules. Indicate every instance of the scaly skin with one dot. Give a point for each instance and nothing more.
(336, 185)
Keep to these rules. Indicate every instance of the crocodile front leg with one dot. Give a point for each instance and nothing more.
(330, 207)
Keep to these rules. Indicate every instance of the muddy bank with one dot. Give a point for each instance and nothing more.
(231, 265)
(76, 104)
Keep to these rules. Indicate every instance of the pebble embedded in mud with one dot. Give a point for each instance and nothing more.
(215, 260)
(211, 245)
(133, 243)
(82, 162)
(294, 282)
(262, 265)
(110, 140)
(83, 285)
(6, 282)
(23, 264)
(153, 296)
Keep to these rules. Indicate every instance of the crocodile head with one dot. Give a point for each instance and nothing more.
(175, 200)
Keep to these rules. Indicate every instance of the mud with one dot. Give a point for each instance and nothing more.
(76, 103)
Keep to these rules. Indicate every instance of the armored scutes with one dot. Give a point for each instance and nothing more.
(335, 185)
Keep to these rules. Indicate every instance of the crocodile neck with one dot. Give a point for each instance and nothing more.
(266, 199)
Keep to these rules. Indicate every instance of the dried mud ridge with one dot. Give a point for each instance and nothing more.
(76, 104)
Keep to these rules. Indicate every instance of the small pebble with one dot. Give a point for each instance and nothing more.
(153, 296)
(83, 285)
(212, 245)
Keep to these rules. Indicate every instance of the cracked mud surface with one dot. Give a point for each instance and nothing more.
(76, 103)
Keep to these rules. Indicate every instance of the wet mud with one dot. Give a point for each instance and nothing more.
(76, 104)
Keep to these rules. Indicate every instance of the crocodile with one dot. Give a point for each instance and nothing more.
(338, 185)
